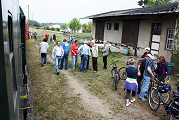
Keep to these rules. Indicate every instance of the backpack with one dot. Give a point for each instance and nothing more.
(141, 63)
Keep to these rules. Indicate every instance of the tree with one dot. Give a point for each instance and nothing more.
(74, 25)
(153, 2)
(86, 28)
(33, 23)
(64, 26)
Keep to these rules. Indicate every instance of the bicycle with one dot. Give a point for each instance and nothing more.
(153, 93)
(115, 74)
(171, 108)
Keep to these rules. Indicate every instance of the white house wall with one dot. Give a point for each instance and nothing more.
(113, 35)
(143, 36)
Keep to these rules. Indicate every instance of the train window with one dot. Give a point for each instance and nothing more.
(10, 32)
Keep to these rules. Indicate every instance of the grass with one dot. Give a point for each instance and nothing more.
(52, 98)
(99, 84)
(83, 35)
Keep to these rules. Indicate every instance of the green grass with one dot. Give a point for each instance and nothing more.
(83, 35)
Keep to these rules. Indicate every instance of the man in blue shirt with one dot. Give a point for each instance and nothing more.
(65, 46)
(84, 51)
(148, 74)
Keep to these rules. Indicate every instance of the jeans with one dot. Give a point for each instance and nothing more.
(65, 59)
(43, 58)
(84, 60)
(145, 87)
(58, 60)
(74, 60)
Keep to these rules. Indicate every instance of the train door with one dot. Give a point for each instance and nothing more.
(155, 35)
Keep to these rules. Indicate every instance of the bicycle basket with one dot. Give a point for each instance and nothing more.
(174, 109)
(164, 88)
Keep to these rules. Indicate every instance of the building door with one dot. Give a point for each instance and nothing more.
(155, 37)
(99, 34)
(130, 32)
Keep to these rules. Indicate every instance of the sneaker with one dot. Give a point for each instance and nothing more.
(127, 104)
(57, 73)
(133, 100)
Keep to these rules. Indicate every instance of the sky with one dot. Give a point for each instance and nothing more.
(63, 11)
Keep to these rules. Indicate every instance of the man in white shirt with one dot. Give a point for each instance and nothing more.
(57, 55)
(43, 49)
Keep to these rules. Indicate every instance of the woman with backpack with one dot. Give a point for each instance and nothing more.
(162, 69)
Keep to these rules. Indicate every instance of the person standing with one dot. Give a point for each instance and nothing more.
(46, 36)
(84, 50)
(141, 67)
(162, 69)
(94, 51)
(89, 44)
(147, 51)
(57, 55)
(148, 74)
(65, 46)
(43, 49)
(74, 54)
(35, 37)
(105, 52)
(54, 38)
(131, 81)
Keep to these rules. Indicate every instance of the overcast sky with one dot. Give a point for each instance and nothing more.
(63, 11)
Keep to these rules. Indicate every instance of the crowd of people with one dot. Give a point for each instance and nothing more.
(61, 51)
(138, 78)
(146, 71)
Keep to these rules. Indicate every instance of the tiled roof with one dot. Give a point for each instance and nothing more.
(161, 9)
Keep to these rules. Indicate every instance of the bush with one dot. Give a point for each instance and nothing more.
(46, 28)
(52, 29)
(57, 29)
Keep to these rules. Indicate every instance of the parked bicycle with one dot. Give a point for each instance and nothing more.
(158, 94)
(156, 97)
(115, 74)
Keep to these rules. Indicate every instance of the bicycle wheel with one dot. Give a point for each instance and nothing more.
(113, 74)
(154, 99)
(122, 73)
(165, 97)
(116, 80)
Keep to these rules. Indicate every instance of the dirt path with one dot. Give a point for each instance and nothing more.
(100, 106)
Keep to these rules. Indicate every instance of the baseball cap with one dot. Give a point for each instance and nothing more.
(147, 48)
(157, 55)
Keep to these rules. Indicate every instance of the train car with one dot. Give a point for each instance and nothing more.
(13, 78)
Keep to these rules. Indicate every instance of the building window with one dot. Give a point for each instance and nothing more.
(116, 26)
(156, 28)
(108, 26)
(170, 39)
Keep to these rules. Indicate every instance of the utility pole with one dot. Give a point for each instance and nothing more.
(28, 13)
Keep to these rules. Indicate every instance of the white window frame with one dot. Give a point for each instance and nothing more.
(170, 39)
